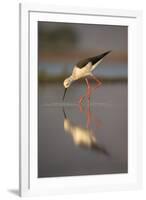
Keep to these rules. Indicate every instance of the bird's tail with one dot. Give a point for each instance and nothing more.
(97, 59)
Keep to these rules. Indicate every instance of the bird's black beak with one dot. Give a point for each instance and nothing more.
(65, 117)
(65, 90)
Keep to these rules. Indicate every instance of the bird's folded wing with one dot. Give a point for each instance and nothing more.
(93, 60)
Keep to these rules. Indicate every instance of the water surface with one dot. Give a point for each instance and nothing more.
(82, 141)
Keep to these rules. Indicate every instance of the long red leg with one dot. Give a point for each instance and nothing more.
(97, 81)
(81, 99)
(80, 104)
(88, 109)
(88, 89)
(88, 122)
(87, 94)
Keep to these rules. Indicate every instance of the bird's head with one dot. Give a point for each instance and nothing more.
(67, 82)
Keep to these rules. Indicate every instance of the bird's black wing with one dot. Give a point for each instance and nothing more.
(93, 60)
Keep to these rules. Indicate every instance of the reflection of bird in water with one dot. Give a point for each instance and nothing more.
(82, 137)
(83, 69)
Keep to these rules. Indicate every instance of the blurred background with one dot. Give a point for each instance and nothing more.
(62, 45)
(62, 152)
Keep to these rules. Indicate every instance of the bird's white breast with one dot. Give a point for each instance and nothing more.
(83, 72)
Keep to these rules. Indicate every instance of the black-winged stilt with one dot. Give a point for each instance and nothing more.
(83, 69)
(83, 137)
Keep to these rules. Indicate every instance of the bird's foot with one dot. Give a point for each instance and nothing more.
(80, 103)
(81, 99)
(98, 83)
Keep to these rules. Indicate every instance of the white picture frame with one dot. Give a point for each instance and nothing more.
(29, 184)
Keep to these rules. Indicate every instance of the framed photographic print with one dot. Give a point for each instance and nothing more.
(80, 100)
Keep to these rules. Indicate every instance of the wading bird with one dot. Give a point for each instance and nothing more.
(83, 69)
(83, 137)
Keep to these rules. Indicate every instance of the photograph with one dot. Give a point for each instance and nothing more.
(82, 99)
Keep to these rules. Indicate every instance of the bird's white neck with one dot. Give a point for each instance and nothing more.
(71, 78)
